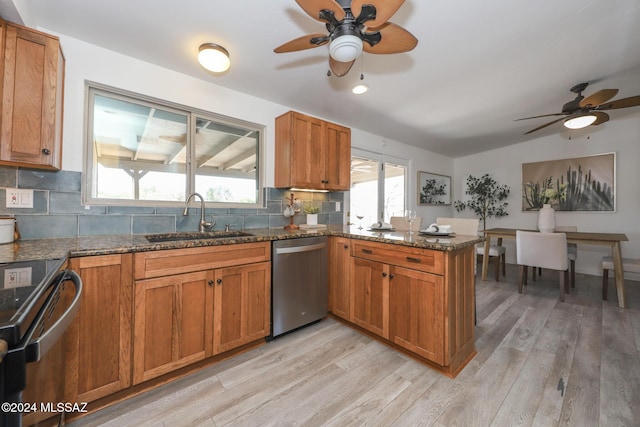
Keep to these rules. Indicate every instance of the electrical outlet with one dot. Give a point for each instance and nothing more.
(18, 198)
(337, 206)
(14, 277)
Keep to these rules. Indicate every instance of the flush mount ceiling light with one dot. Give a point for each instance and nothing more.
(581, 121)
(214, 57)
(345, 48)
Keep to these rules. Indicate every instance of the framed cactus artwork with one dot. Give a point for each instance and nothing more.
(579, 184)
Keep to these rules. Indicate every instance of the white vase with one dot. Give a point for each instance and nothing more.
(546, 219)
(312, 219)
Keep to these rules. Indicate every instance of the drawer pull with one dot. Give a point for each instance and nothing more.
(384, 274)
(367, 251)
(410, 259)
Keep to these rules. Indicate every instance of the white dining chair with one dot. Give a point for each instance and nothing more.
(399, 223)
(543, 250)
(629, 265)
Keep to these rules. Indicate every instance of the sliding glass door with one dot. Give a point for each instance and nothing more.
(378, 187)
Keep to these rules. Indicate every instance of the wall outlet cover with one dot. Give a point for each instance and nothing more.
(19, 198)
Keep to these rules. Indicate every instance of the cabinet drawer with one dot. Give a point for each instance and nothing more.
(403, 256)
(176, 261)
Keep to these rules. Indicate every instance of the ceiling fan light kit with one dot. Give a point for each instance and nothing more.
(582, 112)
(345, 48)
(354, 26)
(214, 58)
(580, 122)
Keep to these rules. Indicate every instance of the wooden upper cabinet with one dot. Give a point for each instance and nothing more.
(312, 153)
(32, 98)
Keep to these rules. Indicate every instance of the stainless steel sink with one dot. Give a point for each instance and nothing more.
(175, 237)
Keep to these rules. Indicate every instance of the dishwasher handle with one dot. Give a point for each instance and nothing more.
(300, 249)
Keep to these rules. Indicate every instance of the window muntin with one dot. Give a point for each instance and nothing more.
(149, 152)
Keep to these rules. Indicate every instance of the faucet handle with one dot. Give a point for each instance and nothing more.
(227, 227)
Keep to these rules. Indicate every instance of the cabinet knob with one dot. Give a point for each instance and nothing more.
(46, 151)
(391, 276)
(384, 274)
(219, 281)
(346, 246)
(210, 282)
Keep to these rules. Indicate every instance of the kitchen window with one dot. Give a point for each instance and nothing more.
(378, 187)
(147, 152)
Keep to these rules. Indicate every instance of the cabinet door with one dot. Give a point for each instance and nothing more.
(416, 314)
(339, 275)
(338, 160)
(308, 152)
(370, 296)
(242, 304)
(99, 339)
(172, 323)
(32, 91)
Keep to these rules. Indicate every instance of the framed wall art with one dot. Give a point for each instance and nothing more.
(433, 189)
(579, 184)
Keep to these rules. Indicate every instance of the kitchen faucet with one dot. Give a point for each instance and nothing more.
(203, 224)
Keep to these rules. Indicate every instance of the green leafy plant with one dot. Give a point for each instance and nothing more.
(487, 198)
(311, 208)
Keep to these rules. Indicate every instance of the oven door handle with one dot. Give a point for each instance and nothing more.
(37, 348)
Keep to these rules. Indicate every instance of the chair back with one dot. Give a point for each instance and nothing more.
(545, 250)
(461, 226)
(400, 223)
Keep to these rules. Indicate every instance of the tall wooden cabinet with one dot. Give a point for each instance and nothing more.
(312, 153)
(32, 66)
(99, 342)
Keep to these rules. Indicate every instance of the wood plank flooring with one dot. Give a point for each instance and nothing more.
(540, 363)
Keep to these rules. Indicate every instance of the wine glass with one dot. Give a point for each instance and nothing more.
(360, 218)
(410, 216)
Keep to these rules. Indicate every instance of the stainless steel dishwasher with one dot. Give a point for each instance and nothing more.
(299, 283)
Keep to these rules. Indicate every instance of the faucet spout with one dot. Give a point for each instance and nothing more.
(203, 224)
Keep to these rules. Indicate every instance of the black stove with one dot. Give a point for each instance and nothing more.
(21, 283)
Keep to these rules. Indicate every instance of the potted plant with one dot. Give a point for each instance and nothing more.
(487, 198)
(311, 210)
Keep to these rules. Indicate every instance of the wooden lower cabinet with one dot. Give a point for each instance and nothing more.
(416, 316)
(98, 343)
(370, 296)
(242, 305)
(172, 324)
(339, 276)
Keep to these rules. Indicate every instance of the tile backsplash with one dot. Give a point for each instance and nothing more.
(58, 211)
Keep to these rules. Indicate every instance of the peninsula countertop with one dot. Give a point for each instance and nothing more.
(26, 250)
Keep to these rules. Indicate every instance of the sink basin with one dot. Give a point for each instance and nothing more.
(175, 237)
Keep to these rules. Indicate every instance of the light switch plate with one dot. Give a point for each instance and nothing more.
(337, 206)
(19, 198)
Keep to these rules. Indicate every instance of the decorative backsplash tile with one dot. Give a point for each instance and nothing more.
(58, 210)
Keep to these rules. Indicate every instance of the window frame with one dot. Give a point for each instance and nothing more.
(88, 181)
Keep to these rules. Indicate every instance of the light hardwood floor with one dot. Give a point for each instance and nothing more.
(540, 362)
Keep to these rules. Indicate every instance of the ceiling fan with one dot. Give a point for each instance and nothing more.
(582, 112)
(353, 26)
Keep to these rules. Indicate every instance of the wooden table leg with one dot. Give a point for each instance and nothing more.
(485, 257)
(619, 273)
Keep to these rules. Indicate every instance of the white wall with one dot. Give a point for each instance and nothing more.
(620, 135)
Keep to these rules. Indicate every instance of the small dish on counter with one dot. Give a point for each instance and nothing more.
(436, 233)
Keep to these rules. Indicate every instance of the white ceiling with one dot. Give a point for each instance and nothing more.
(478, 64)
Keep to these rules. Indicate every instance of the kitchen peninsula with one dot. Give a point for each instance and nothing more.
(412, 292)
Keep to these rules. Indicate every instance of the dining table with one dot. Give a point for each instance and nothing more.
(612, 240)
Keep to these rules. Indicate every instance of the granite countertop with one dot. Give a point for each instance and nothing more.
(26, 250)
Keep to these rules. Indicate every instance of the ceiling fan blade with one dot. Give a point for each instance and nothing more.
(302, 43)
(313, 8)
(545, 125)
(632, 101)
(537, 117)
(601, 117)
(598, 98)
(338, 68)
(395, 39)
(384, 10)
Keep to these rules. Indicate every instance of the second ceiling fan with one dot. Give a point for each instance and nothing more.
(353, 26)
